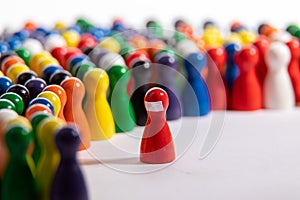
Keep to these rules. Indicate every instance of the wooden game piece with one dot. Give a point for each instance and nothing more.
(59, 76)
(61, 93)
(22, 91)
(73, 111)
(35, 120)
(71, 37)
(195, 97)
(9, 61)
(16, 100)
(33, 45)
(118, 99)
(232, 70)
(5, 83)
(19, 166)
(37, 108)
(5, 116)
(49, 159)
(83, 69)
(68, 181)
(15, 70)
(23, 77)
(262, 44)
(166, 70)
(216, 59)
(141, 72)
(278, 90)
(96, 107)
(5, 103)
(110, 59)
(251, 98)
(293, 67)
(54, 99)
(35, 87)
(54, 40)
(49, 71)
(110, 44)
(44, 101)
(157, 143)
(1, 74)
(59, 53)
(24, 54)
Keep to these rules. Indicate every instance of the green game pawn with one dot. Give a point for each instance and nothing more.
(35, 120)
(18, 181)
(24, 54)
(83, 69)
(5, 103)
(16, 100)
(118, 99)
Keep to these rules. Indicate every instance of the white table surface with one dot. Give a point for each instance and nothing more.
(256, 158)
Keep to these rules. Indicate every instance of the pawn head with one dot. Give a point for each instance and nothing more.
(217, 55)
(156, 100)
(278, 56)
(67, 140)
(96, 79)
(294, 46)
(247, 58)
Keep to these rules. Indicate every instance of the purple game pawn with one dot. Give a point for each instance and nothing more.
(35, 87)
(166, 68)
(68, 181)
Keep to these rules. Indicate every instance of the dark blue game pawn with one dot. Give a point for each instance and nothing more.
(68, 181)
(195, 97)
(5, 83)
(44, 101)
(35, 87)
(49, 71)
(141, 72)
(232, 70)
(23, 92)
(166, 72)
(25, 76)
(59, 76)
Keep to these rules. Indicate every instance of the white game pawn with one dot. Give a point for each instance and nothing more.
(278, 90)
(54, 40)
(33, 45)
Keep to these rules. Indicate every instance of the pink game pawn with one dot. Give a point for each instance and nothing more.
(157, 143)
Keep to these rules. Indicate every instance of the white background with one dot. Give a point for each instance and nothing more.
(136, 12)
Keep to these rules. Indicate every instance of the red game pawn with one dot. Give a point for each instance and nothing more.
(293, 67)
(262, 44)
(246, 90)
(215, 81)
(157, 143)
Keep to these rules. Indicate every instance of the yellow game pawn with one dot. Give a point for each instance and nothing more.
(1, 73)
(71, 37)
(110, 44)
(50, 157)
(15, 70)
(54, 99)
(96, 107)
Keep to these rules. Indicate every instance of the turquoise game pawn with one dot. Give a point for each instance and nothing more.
(118, 99)
(18, 181)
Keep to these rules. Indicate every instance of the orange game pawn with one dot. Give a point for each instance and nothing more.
(73, 111)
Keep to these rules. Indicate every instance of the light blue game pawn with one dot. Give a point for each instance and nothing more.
(195, 97)
(232, 70)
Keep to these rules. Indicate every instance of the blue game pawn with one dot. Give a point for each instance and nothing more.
(166, 72)
(5, 83)
(195, 97)
(44, 101)
(68, 181)
(232, 70)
